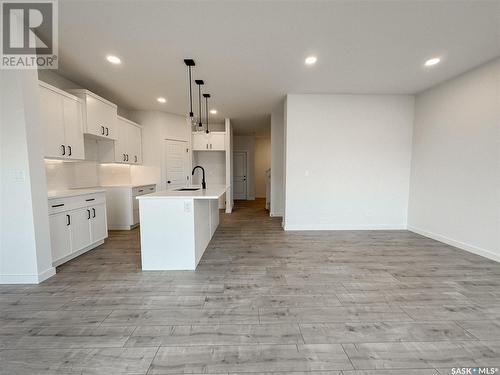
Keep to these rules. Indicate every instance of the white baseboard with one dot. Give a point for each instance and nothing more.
(461, 245)
(27, 279)
(289, 227)
(122, 227)
(77, 253)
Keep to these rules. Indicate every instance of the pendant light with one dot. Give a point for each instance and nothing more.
(199, 82)
(206, 96)
(190, 63)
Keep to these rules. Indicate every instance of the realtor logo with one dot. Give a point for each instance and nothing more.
(29, 34)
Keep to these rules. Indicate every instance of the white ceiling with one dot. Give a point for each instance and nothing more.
(251, 53)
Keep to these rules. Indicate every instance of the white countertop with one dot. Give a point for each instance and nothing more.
(130, 186)
(211, 192)
(73, 192)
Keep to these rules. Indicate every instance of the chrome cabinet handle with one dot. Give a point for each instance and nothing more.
(69, 148)
(102, 130)
(93, 212)
(107, 132)
(63, 149)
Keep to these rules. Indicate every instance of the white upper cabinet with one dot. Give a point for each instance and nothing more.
(128, 144)
(213, 141)
(98, 113)
(127, 147)
(61, 118)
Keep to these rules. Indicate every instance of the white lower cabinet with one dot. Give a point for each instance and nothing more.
(60, 235)
(77, 224)
(122, 205)
(98, 227)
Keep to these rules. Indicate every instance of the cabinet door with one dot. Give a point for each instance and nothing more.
(200, 142)
(51, 110)
(216, 142)
(80, 229)
(99, 226)
(60, 240)
(121, 132)
(101, 118)
(135, 145)
(73, 131)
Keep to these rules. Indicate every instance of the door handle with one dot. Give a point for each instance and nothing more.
(63, 149)
(93, 212)
(88, 213)
(207, 146)
(124, 158)
(68, 220)
(210, 146)
(135, 158)
(107, 131)
(102, 130)
(69, 148)
(127, 157)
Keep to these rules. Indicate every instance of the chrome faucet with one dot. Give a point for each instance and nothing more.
(203, 183)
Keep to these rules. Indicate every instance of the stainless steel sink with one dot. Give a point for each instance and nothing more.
(187, 189)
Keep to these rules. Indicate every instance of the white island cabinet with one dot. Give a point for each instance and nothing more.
(177, 226)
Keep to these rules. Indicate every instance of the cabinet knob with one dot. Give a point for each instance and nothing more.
(168, 182)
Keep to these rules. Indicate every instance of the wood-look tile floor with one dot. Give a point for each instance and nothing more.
(262, 301)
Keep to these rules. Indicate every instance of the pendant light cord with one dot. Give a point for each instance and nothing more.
(206, 111)
(199, 104)
(191, 114)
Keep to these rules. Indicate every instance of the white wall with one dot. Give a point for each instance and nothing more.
(455, 191)
(262, 164)
(25, 250)
(277, 161)
(347, 161)
(247, 143)
(158, 126)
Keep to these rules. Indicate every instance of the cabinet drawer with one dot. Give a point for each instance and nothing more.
(141, 190)
(58, 205)
(91, 199)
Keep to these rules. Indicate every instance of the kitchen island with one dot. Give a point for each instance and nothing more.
(177, 226)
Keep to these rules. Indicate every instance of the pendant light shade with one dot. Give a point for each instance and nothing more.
(206, 96)
(190, 63)
(199, 82)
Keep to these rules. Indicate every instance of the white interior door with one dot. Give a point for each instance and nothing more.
(176, 164)
(240, 175)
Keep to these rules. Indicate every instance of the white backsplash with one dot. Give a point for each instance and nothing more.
(69, 175)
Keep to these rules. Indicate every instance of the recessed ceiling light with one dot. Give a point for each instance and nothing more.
(162, 100)
(433, 61)
(213, 111)
(113, 59)
(311, 60)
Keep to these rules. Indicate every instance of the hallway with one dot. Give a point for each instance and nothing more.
(262, 300)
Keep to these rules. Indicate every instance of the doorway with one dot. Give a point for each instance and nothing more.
(240, 188)
(176, 161)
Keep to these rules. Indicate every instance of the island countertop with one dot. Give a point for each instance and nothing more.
(211, 192)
